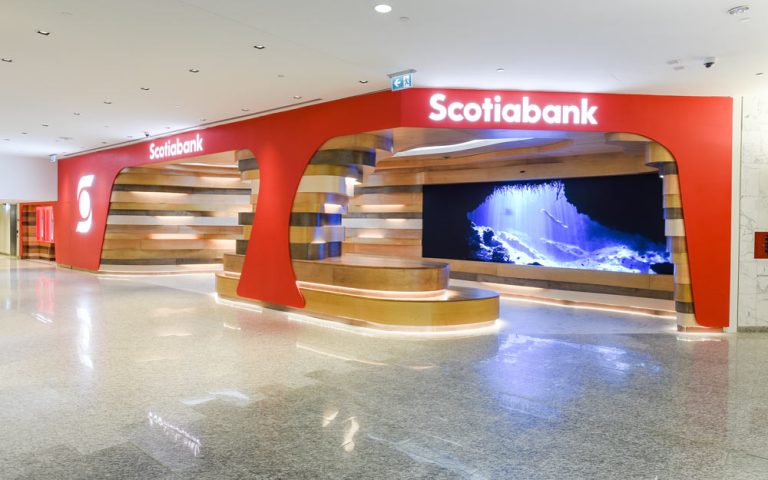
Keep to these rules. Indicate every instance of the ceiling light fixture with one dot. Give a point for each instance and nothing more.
(7, 60)
(45, 125)
(499, 70)
(23, 133)
(458, 147)
(77, 114)
(146, 89)
(383, 8)
(44, 32)
(297, 97)
(107, 102)
(759, 74)
(738, 10)
(194, 70)
(363, 81)
(244, 110)
(259, 47)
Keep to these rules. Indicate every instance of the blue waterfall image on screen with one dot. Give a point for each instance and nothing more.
(534, 224)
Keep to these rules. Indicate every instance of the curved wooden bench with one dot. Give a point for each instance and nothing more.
(451, 308)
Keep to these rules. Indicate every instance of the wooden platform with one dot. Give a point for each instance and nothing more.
(380, 292)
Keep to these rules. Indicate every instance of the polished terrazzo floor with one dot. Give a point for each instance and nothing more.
(149, 377)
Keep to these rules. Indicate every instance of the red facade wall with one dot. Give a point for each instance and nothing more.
(697, 130)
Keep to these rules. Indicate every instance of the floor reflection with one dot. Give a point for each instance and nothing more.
(139, 379)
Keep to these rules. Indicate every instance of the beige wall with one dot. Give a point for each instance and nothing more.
(28, 180)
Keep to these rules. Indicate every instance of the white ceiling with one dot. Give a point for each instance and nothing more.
(106, 50)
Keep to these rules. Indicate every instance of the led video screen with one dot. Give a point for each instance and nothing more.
(597, 223)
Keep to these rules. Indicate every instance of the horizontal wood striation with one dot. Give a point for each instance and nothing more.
(171, 216)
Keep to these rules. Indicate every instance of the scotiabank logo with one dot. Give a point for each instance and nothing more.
(84, 204)
(525, 112)
(173, 148)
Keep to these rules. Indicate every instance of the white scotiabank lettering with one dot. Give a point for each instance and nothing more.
(172, 149)
(494, 110)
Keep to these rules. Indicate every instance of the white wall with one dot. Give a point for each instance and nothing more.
(753, 214)
(27, 180)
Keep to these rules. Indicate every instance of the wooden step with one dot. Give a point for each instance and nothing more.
(450, 308)
(362, 272)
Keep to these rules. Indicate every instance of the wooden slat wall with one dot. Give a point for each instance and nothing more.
(385, 221)
(169, 216)
(31, 248)
(316, 230)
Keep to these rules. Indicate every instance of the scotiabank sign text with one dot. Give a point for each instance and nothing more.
(525, 112)
(173, 148)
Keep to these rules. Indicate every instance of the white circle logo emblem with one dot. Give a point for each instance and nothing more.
(84, 204)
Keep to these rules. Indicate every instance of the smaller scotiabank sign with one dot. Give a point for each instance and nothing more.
(176, 147)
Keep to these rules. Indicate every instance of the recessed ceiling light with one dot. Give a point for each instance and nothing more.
(404, 19)
(146, 89)
(45, 125)
(500, 69)
(7, 60)
(363, 81)
(23, 133)
(77, 114)
(738, 10)
(107, 102)
(259, 47)
(280, 75)
(44, 32)
(194, 70)
(244, 110)
(759, 74)
(383, 8)
(297, 97)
